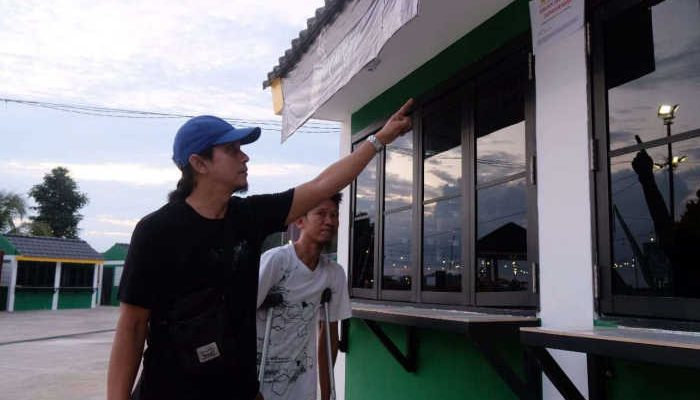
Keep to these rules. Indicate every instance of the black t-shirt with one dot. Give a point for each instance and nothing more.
(170, 257)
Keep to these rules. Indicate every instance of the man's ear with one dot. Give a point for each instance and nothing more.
(299, 222)
(199, 164)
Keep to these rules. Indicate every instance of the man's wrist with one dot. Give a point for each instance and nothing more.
(377, 143)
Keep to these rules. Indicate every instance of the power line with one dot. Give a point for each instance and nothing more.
(311, 127)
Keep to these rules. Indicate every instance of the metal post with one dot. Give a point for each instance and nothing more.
(325, 300)
(671, 195)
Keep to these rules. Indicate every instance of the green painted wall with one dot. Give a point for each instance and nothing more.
(33, 299)
(647, 381)
(449, 367)
(7, 247)
(507, 24)
(74, 298)
(116, 253)
(114, 296)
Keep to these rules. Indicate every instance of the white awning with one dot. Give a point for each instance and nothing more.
(342, 49)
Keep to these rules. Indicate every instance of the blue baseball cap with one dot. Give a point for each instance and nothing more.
(205, 131)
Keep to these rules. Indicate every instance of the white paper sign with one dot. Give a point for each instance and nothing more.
(554, 19)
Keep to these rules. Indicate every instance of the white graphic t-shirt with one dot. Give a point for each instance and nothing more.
(290, 369)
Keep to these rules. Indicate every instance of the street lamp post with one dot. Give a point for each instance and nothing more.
(667, 113)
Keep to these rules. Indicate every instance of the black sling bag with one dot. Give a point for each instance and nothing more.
(201, 327)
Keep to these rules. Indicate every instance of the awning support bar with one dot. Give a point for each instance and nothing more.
(409, 361)
(524, 390)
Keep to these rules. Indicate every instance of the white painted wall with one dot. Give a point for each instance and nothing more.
(563, 190)
(343, 251)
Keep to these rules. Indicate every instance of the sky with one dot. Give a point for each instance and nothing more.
(181, 57)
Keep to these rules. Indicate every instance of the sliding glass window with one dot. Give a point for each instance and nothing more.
(647, 90)
(397, 265)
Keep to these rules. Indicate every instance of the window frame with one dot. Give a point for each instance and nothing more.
(461, 89)
(609, 304)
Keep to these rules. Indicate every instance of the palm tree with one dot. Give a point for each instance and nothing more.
(12, 206)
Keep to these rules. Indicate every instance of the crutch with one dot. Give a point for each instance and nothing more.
(271, 301)
(325, 300)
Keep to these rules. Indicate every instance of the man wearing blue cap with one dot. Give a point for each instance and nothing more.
(190, 280)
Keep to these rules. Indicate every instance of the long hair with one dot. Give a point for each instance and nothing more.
(188, 180)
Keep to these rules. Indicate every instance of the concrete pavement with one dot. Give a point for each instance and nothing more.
(51, 355)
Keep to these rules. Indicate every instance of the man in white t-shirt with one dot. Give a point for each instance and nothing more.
(300, 273)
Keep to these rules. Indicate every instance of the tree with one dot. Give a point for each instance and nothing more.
(12, 206)
(58, 202)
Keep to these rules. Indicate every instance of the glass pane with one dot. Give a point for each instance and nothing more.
(500, 153)
(366, 191)
(654, 248)
(398, 180)
(398, 265)
(363, 228)
(501, 245)
(442, 246)
(363, 253)
(652, 58)
(442, 156)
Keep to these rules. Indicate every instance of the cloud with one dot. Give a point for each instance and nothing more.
(108, 234)
(184, 56)
(108, 219)
(140, 174)
(134, 174)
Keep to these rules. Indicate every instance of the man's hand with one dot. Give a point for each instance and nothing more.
(397, 125)
(643, 165)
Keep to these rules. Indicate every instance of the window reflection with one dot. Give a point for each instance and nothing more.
(501, 245)
(653, 254)
(654, 211)
(397, 266)
(363, 227)
(398, 184)
(397, 251)
(363, 253)
(442, 246)
(366, 191)
(652, 57)
(500, 153)
(442, 155)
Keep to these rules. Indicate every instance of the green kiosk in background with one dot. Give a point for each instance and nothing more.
(46, 273)
(112, 273)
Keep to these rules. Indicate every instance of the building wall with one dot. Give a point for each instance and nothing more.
(449, 367)
(564, 196)
(507, 24)
(33, 299)
(75, 298)
(648, 381)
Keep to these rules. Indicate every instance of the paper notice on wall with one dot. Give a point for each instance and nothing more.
(554, 19)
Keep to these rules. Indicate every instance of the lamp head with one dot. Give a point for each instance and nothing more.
(667, 112)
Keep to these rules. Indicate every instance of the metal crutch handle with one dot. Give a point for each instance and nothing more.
(325, 299)
(271, 301)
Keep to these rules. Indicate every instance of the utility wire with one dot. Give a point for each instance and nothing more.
(311, 127)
